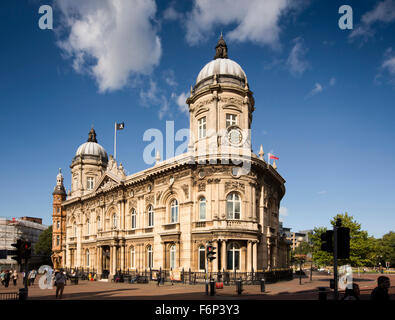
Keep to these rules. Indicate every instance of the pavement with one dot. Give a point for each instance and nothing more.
(282, 290)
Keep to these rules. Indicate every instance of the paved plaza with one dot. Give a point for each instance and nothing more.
(283, 290)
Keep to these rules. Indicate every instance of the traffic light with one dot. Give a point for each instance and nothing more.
(26, 250)
(18, 250)
(210, 252)
(327, 241)
(343, 243)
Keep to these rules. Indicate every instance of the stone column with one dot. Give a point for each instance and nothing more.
(249, 255)
(122, 257)
(215, 263)
(223, 254)
(111, 259)
(255, 255)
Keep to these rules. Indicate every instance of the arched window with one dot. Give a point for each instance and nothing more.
(150, 257)
(75, 229)
(202, 258)
(98, 224)
(133, 219)
(87, 227)
(202, 208)
(132, 258)
(115, 221)
(233, 257)
(150, 216)
(174, 211)
(233, 205)
(173, 256)
(57, 240)
(87, 258)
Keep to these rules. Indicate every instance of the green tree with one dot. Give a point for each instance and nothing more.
(44, 244)
(385, 248)
(363, 249)
(320, 258)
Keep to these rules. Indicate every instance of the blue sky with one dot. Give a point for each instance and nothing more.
(324, 96)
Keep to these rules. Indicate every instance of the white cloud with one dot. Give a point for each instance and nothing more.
(155, 97)
(181, 101)
(172, 14)
(387, 68)
(254, 20)
(296, 62)
(321, 192)
(332, 81)
(110, 40)
(283, 213)
(317, 89)
(383, 12)
(170, 78)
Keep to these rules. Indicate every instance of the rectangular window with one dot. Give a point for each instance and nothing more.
(57, 225)
(231, 120)
(202, 127)
(133, 221)
(57, 240)
(90, 183)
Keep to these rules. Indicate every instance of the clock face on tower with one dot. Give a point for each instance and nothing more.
(235, 136)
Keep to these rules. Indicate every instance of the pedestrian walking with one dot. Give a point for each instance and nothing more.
(14, 277)
(32, 277)
(7, 278)
(59, 283)
(2, 275)
(380, 293)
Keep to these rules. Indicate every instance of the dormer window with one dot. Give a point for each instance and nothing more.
(231, 120)
(90, 183)
(202, 127)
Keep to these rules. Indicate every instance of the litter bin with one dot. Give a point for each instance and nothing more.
(322, 294)
(262, 285)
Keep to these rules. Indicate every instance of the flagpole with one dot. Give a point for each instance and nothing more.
(268, 158)
(115, 142)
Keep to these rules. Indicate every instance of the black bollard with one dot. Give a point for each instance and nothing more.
(212, 288)
(262, 285)
(238, 287)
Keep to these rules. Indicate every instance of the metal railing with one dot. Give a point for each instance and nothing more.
(190, 277)
(9, 296)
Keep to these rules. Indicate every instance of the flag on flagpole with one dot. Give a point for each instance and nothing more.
(120, 126)
(273, 157)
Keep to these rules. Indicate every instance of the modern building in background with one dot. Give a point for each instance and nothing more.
(295, 238)
(11, 229)
(164, 216)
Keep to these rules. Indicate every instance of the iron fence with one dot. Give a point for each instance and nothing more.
(9, 296)
(187, 276)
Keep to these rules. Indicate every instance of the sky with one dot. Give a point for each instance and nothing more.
(324, 96)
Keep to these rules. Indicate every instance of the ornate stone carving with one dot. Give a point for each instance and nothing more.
(234, 185)
(201, 187)
(149, 199)
(158, 194)
(213, 180)
(185, 188)
(232, 100)
(182, 175)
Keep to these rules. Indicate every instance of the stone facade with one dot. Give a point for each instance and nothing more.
(164, 216)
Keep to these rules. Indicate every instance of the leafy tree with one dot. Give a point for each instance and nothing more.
(362, 247)
(385, 248)
(44, 244)
(320, 258)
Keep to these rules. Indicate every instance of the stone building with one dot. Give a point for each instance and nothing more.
(163, 217)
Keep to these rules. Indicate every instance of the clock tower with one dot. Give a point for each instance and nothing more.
(220, 106)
